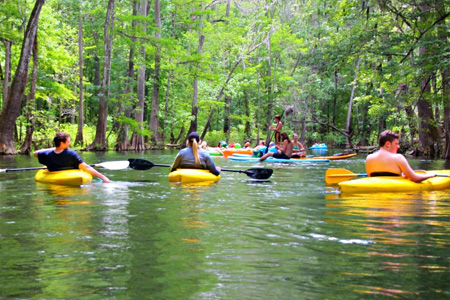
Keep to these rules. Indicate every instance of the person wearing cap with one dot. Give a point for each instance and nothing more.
(272, 147)
(284, 152)
(192, 157)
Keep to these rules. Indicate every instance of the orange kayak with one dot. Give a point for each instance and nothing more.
(337, 157)
(230, 152)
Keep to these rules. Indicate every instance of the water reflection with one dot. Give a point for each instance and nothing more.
(288, 238)
(402, 228)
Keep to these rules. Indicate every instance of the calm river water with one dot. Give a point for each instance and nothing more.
(291, 237)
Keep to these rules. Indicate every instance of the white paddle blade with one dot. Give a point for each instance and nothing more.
(114, 165)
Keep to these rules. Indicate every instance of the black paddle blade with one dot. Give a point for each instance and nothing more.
(257, 173)
(140, 164)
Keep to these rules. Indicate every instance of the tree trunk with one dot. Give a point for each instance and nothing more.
(248, 129)
(100, 134)
(444, 35)
(222, 89)
(269, 89)
(11, 109)
(350, 106)
(335, 95)
(427, 131)
(7, 70)
(154, 117)
(166, 105)
(194, 112)
(226, 118)
(123, 140)
(31, 102)
(428, 134)
(79, 139)
(137, 141)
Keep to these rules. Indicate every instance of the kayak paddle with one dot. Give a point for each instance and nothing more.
(333, 176)
(255, 173)
(110, 165)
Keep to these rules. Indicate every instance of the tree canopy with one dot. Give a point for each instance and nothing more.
(137, 74)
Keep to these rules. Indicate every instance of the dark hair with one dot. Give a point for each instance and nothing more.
(284, 136)
(60, 137)
(387, 136)
(194, 135)
(278, 117)
(192, 141)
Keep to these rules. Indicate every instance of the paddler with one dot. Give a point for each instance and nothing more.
(277, 129)
(299, 149)
(192, 157)
(62, 158)
(387, 162)
(284, 152)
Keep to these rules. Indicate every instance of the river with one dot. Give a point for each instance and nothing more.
(290, 237)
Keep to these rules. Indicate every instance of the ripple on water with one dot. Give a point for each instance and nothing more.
(288, 237)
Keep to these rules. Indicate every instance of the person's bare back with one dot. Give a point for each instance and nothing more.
(387, 161)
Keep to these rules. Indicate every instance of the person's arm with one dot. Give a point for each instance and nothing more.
(302, 148)
(40, 150)
(279, 125)
(211, 167)
(87, 168)
(410, 173)
(176, 164)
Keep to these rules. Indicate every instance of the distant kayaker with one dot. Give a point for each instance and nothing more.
(192, 157)
(62, 158)
(277, 129)
(284, 152)
(204, 146)
(387, 162)
(299, 149)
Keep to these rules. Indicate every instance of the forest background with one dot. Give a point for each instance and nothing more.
(135, 75)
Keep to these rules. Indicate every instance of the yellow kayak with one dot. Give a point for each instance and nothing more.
(395, 184)
(192, 176)
(65, 177)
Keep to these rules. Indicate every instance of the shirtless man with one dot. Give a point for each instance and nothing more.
(387, 162)
(284, 152)
(277, 129)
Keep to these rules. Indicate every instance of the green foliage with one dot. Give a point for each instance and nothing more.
(297, 55)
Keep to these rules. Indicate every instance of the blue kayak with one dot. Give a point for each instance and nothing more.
(277, 160)
(319, 146)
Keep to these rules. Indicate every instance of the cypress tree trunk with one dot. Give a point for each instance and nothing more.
(226, 118)
(31, 103)
(11, 108)
(248, 130)
(137, 140)
(154, 117)
(7, 70)
(123, 140)
(194, 112)
(100, 134)
(79, 140)
(444, 35)
(350, 106)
